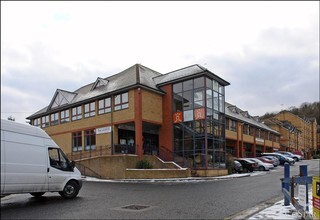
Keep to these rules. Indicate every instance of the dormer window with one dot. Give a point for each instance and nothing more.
(99, 83)
(61, 98)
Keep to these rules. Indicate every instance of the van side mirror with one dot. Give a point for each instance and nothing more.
(73, 164)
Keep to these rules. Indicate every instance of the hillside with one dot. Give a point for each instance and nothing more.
(309, 110)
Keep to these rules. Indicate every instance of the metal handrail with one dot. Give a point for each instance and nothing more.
(99, 151)
(86, 171)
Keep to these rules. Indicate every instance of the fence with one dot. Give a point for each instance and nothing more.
(288, 185)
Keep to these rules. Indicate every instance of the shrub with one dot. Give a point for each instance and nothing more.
(144, 164)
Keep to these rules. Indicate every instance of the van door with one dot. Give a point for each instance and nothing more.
(59, 169)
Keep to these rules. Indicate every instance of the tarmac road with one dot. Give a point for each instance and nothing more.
(210, 199)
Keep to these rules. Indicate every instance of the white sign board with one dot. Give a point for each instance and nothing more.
(103, 130)
(302, 195)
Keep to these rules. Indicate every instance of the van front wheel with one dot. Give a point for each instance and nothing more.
(70, 190)
(38, 194)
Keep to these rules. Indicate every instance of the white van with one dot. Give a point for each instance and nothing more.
(31, 162)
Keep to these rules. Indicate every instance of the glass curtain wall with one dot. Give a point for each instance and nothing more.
(199, 123)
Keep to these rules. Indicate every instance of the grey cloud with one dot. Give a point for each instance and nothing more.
(262, 83)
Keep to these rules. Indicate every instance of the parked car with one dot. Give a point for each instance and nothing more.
(248, 165)
(261, 165)
(266, 160)
(296, 157)
(237, 167)
(282, 158)
(275, 160)
(299, 152)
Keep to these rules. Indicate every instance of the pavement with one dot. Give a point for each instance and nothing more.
(271, 209)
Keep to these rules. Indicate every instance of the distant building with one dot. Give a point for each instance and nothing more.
(290, 135)
(308, 128)
(246, 136)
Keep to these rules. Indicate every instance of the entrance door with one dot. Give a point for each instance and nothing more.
(126, 142)
(151, 144)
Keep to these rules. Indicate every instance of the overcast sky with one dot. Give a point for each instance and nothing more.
(268, 51)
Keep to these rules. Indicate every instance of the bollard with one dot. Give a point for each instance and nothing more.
(286, 185)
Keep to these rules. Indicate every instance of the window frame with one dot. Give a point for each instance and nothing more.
(104, 109)
(54, 119)
(91, 134)
(121, 104)
(37, 122)
(91, 110)
(65, 119)
(45, 123)
(76, 136)
(78, 113)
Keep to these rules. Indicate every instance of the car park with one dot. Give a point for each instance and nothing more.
(261, 165)
(282, 158)
(296, 157)
(248, 165)
(266, 160)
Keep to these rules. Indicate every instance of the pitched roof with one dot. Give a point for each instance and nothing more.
(136, 75)
(187, 72)
(236, 113)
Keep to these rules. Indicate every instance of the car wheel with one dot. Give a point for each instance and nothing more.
(70, 190)
(245, 170)
(37, 194)
(296, 159)
(261, 168)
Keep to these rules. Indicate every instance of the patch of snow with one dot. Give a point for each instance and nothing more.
(279, 211)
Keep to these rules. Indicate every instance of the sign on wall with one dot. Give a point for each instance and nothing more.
(177, 117)
(199, 114)
(103, 130)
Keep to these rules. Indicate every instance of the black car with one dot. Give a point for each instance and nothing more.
(248, 166)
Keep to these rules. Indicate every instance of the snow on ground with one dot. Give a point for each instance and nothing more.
(279, 211)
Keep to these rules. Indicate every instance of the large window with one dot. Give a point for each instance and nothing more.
(90, 139)
(121, 101)
(77, 113)
(199, 136)
(64, 116)
(54, 119)
(90, 109)
(104, 106)
(45, 121)
(77, 141)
